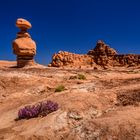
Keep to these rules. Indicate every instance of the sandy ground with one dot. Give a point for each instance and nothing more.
(104, 106)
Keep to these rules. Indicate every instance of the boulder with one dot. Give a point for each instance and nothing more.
(24, 47)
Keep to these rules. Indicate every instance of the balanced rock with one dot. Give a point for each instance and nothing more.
(23, 24)
(23, 46)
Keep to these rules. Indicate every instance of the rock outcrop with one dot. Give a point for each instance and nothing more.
(101, 56)
(23, 46)
(72, 60)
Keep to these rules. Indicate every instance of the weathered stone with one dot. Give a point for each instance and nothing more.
(23, 24)
(71, 60)
(101, 56)
(23, 46)
(23, 34)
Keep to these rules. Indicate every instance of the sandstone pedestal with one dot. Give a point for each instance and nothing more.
(25, 61)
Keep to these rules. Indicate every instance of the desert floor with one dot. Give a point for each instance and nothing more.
(104, 106)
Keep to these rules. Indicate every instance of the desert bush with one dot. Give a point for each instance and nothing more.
(39, 109)
(73, 77)
(59, 88)
(129, 98)
(81, 77)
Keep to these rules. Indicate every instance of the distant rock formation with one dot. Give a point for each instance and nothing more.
(102, 53)
(70, 59)
(101, 56)
(23, 46)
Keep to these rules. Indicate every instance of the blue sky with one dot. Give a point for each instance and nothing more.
(71, 25)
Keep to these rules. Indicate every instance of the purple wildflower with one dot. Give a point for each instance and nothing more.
(39, 109)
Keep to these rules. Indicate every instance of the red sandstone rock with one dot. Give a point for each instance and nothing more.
(23, 34)
(71, 59)
(23, 24)
(102, 55)
(23, 46)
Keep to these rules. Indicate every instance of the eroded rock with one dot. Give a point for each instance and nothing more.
(23, 46)
(72, 60)
(104, 55)
(101, 56)
(23, 24)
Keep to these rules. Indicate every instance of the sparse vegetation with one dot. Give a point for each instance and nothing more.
(73, 77)
(79, 76)
(39, 109)
(59, 88)
(133, 71)
(129, 98)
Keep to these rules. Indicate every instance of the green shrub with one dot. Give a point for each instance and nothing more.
(73, 77)
(59, 88)
(81, 77)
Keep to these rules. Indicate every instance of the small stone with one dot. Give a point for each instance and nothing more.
(75, 115)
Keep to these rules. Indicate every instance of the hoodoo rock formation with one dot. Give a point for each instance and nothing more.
(101, 56)
(72, 60)
(23, 46)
